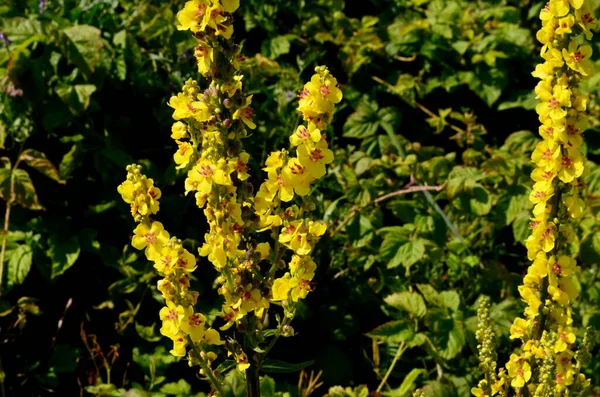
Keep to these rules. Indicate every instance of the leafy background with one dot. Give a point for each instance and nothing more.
(427, 201)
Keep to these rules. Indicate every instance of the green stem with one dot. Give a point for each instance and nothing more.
(216, 384)
(4, 240)
(252, 380)
(399, 352)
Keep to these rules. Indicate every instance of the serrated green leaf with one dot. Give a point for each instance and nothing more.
(63, 253)
(411, 302)
(25, 194)
(38, 161)
(181, 388)
(450, 299)
(19, 264)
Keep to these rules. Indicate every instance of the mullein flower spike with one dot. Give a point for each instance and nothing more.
(209, 129)
(546, 364)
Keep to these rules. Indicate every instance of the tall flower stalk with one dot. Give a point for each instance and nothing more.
(546, 364)
(211, 123)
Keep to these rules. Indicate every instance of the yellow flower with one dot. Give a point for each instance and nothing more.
(546, 34)
(518, 328)
(553, 57)
(264, 250)
(273, 162)
(530, 296)
(477, 392)
(578, 58)
(186, 108)
(242, 361)
(192, 324)
(305, 135)
(204, 57)
(205, 173)
(280, 185)
(230, 5)
(171, 317)
(212, 337)
(560, 8)
(545, 155)
(565, 24)
(245, 113)
(192, 15)
(179, 130)
(575, 206)
(571, 134)
(153, 238)
(543, 71)
(233, 86)
(519, 370)
(587, 21)
(315, 159)
(570, 165)
(240, 165)
(566, 337)
(552, 103)
(299, 176)
(282, 287)
(183, 154)
(179, 345)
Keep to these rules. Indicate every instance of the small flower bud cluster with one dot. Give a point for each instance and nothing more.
(490, 385)
(545, 365)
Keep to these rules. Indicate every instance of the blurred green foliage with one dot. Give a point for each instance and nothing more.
(427, 202)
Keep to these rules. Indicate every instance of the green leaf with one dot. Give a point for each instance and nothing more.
(396, 332)
(276, 47)
(394, 238)
(76, 97)
(147, 332)
(452, 343)
(267, 387)
(19, 264)
(364, 122)
(226, 366)
(62, 253)
(462, 179)
(71, 160)
(411, 302)
(82, 45)
(408, 254)
(408, 384)
(38, 160)
(590, 249)
(21, 29)
(450, 299)
(181, 388)
(25, 194)
(279, 367)
(430, 294)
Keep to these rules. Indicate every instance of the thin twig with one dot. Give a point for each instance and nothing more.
(399, 352)
(405, 190)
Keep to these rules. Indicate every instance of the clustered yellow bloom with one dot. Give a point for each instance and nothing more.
(291, 174)
(172, 261)
(210, 125)
(548, 287)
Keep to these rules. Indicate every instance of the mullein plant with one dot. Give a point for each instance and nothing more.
(259, 243)
(546, 363)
